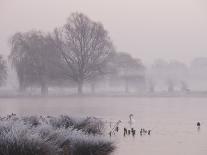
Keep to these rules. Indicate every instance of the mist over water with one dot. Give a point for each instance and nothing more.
(172, 120)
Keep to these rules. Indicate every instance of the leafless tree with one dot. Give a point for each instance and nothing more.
(129, 69)
(85, 48)
(169, 74)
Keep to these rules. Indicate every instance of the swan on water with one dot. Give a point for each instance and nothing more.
(131, 121)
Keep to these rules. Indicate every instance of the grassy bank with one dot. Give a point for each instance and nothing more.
(61, 135)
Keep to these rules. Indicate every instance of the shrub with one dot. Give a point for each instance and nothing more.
(62, 135)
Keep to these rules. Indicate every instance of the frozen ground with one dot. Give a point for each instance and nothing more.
(47, 135)
(172, 120)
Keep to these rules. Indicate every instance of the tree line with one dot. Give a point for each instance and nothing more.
(80, 51)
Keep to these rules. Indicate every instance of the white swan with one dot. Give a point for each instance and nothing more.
(131, 121)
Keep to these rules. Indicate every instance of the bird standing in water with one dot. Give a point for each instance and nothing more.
(198, 126)
(131, 121)
(132, 124)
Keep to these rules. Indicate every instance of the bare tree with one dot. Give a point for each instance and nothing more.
(168, 73)
(151, 84)
(128, 69)
(86, 47)
(3, 70)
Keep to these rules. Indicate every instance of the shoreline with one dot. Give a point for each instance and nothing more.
(195, 94)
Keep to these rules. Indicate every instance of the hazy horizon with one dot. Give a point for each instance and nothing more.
(168, 29)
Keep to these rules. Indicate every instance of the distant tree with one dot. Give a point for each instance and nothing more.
(85, 47)
(169, 73)
(198, 73)
(170, 84)
(184, 86)
(151, 84)
(33, 55)
(156, 74)
(129, 69)
(3, 70)
(198, 68)
(177, 75)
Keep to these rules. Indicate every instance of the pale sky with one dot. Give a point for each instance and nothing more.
(147, 29)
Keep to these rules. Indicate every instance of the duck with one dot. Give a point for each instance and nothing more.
(198, 124)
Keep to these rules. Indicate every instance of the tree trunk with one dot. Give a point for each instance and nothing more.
(44, 86)
(170, 88)
(126, 85)
(152, 88)
(22, 88)
(22, 84)
(44, 89)
(93, 87)
(80, 87)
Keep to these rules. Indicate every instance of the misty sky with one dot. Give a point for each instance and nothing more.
(147, 29)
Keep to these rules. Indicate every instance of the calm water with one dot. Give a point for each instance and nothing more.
(172, 120)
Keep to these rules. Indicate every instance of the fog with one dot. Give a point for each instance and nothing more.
(110, 77)
(147, 29)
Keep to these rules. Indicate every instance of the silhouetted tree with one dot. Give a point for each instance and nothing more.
(85, 47)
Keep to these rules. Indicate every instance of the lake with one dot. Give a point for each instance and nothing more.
(172, 120)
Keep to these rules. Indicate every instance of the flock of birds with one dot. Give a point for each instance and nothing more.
(127, 131)
(132, 131)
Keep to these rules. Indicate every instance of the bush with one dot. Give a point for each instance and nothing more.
(53, 136)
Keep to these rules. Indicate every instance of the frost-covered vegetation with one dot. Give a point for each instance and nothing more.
(61, 135)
